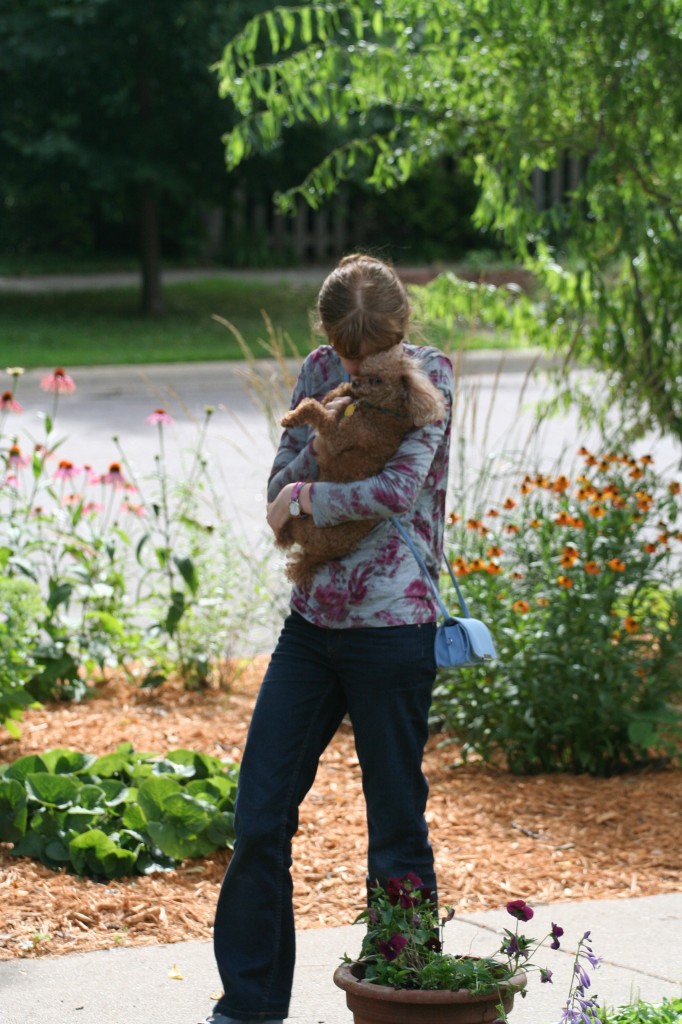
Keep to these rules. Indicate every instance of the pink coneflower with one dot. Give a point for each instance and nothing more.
(114, 475)
(72, 499)
(90, 507)
(15, 458)
(10, 481)
(66, 470)
(8, 403)
(92, 475)
(159, 416)
(58, 381)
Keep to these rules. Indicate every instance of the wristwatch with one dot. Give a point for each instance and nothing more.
(295, 509)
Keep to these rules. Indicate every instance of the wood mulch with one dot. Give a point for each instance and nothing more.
(545, 838)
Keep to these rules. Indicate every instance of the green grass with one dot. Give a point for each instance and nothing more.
(93, 328)
(105, 327)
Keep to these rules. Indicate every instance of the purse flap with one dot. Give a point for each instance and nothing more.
(479, 637)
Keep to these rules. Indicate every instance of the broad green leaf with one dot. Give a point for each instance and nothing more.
(23, 766)
(62, 761)
(109, 765)
(110, 623)
(96, 853)
(13, 813)
(188, 571)
(56, 791)
(153, 793)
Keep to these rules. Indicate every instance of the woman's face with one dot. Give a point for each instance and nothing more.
(351, 366)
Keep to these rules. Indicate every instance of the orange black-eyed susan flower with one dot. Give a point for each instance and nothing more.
(636, 473)
(535, 524)
(474, 524)
(561, 484)
(583, 451)
(526, 487)
(647, 460)
(511, 528)
(522, 607)
(518, 576)
(630, 624)
(542, 601)
(617, 565)
(493, 569)
(596, 510)
(453, 518)
(493, 513)
(477, 565)
(564, 518)
(650, 548)
(568, 557)
(494, 552)
(591, 568)
(509, 503)
(674, 487)
(565, 581)
(586, 493)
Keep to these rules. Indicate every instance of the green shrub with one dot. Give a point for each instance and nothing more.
(669, 1011)
(120, 814)
(579, 582)
(21, 610)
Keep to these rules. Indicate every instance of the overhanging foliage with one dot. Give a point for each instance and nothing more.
(511, 88)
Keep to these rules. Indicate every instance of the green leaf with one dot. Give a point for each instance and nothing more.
(201, 765)
(59, 593)
(96, 853)
(13, 811)
(188, 572)
(62, 761)
(57, 791)
(23, 766)
(175, 612)
(109, 622)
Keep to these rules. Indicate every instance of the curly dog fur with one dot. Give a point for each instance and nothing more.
(389, 396)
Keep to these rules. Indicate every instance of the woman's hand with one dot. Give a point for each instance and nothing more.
(278, 510)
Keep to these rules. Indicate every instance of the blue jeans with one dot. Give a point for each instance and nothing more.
(381, 678)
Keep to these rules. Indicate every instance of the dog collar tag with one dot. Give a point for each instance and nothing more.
(349, 410)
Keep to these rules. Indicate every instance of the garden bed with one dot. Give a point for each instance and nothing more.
(546, 838)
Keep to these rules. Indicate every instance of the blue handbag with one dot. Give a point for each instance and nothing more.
(461, 641)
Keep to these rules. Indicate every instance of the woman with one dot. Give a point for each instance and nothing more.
(358, 642)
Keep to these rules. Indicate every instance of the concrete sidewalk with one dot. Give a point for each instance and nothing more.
(640, 941)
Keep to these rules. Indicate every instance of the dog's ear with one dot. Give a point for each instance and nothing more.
(425, 403)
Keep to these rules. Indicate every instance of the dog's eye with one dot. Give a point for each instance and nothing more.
(375, 380)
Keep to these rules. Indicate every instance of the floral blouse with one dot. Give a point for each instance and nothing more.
(379, 583)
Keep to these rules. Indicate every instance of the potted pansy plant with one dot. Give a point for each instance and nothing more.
(403, 975)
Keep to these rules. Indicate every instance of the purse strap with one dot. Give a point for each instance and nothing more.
(422, 565)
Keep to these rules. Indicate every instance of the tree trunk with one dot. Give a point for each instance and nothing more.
(150, 252)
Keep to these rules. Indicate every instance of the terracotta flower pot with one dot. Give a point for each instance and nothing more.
(379, 1004)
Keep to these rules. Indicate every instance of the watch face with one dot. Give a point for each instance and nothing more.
(294, 509)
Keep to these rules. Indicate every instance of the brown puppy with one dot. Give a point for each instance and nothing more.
(389, 396)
